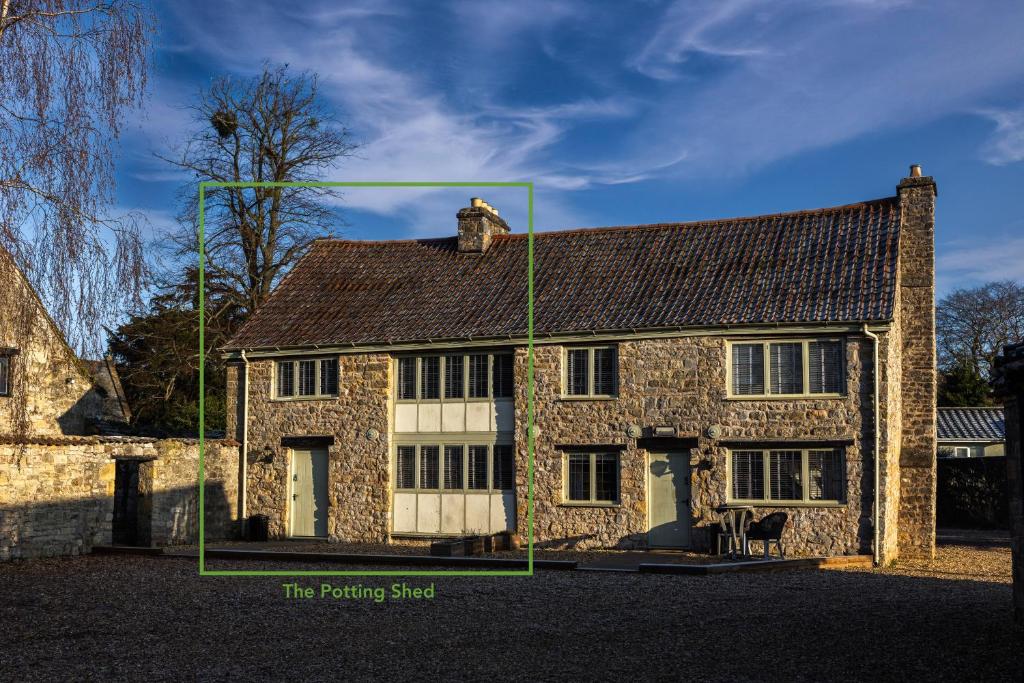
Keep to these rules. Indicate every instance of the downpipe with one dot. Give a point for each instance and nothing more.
(875, 419)
(243, 509)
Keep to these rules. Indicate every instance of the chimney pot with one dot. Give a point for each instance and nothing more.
(476, 202)
(915, 170)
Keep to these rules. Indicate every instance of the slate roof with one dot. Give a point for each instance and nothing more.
(833, 265)
(971, 424)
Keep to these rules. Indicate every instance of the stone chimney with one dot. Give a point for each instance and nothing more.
(478, 223)
(916, 312)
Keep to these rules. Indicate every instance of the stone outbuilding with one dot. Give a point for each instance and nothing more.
(784, 362)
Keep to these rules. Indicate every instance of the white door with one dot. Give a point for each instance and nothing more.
(669, 489)
(309, 492)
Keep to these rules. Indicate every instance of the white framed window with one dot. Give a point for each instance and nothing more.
(961, 451)
(787, 475)
(590, 372)
(786, 368)
(454, 377)
(455, 467)
(306, 378)
(591, 478)
(5, 375)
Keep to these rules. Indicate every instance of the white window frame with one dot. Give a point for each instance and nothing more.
(593, 500)
(447, 357)
(5, 374)
(806, 500)
(966, 451)
(316, 379)
(465, 444)
(805, 358)
(591, 372)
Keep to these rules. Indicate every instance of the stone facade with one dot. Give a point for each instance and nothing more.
(355, 428)
(51, 391)
(58, 494)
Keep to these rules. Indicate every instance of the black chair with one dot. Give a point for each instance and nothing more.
(768, 530)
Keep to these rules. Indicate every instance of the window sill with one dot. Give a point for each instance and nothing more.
(439, 401)
(455, 491)
(588, 504)
(786, 503)
(296, 399)
(588, 398)
(785, 397)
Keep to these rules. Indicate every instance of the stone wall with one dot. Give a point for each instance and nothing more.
(1009, 381)
(682, 382)
(355, 424)
(918, 384)
(57, 495)
(51, 391)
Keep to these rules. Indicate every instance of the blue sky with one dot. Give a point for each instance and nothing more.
(630, 112)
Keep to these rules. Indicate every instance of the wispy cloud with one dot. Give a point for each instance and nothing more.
(970, 263)
(1006, 145)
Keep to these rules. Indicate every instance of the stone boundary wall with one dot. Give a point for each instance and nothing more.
(57, 495)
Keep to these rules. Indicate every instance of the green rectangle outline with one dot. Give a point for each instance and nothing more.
(202, 386)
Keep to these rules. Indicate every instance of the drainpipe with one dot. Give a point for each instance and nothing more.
(243, 484)
(877, 541)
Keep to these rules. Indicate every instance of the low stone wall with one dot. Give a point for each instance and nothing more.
(57, 494)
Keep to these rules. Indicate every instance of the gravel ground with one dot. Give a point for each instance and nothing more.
(143, 618)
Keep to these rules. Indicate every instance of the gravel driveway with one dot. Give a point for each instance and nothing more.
(140, 618)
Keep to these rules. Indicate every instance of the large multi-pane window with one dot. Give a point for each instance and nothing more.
(454, 377)
(787, 475)
(591, 371)
(592, 478)
(787, 368)
(307, 378)
(455, 467)
(5, 375)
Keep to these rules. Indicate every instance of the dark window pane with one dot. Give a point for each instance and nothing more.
(453, 376)
(453, 467)
(407, 378)
(604, 372)
(748, 475)
(478, 375)
(825, 367)
(405, 468)
(502, 381)
(784, 469)
(825, 471)
(429, 469)
(329, 376)
(606, 477)
(747, 369)
(430, 377)
(504, 468)
(579, 476)
(307, 378)
(5, 373)
(578, 372)
(477, 467)
(286, 378)
(787, 369)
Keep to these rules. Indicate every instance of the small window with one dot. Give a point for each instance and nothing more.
(407, 379)
(430, 377)
(787, 368)
(478, 457)
(591, 372)
(478, 375)
(962, 452)
(592, 478)
(5, 375)
(504, 468)
(502, 381)
(429, 470)
(453, 376)
(405, 468)
(453, 467)
(787, 475)
(307, 378)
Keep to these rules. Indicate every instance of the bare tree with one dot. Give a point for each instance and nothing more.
(972, 325)
(70, 70)
(271, 128)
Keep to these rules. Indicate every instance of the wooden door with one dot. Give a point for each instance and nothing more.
(309, 492)
(669, 491)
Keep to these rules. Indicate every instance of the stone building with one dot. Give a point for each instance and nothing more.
(384, 389)
(1009, 382)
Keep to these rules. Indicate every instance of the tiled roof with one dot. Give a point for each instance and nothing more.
(827, 265)
(957, 424)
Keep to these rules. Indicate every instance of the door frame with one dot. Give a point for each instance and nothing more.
(668, 450)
